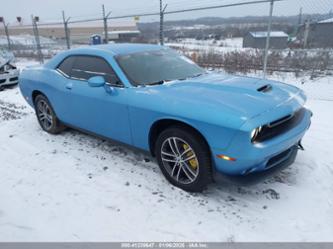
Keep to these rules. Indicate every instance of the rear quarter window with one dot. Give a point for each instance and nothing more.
(65, 66)
(85, 67)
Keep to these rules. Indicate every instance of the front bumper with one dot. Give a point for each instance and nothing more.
(9, 78)
(252, 159)
(258, 176)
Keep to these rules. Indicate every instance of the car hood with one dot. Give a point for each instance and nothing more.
(3, 62)
(5, 57)
(240, 96)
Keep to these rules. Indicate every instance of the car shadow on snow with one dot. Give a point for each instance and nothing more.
(229, 192)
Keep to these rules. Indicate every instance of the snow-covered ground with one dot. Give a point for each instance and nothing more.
(75, 187)
(221, 46)
(26, 40)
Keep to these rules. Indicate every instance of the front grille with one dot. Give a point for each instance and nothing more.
(280, 126)
(279, 158)
(13, 79)
(2, 81)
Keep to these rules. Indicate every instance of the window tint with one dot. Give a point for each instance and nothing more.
(66, 65)
(86, 67)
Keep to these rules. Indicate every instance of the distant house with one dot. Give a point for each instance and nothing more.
(123, 35)
(319, 34)
(278, 40)
(80, 33)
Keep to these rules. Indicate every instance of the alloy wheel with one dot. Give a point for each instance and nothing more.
(180, 160)
(44, 114)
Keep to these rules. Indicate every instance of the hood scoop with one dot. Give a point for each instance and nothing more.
(265, 88)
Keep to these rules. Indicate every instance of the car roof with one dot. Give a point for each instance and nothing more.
(113, 49)
(122, 48)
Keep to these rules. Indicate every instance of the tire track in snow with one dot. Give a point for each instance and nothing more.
(10, 111)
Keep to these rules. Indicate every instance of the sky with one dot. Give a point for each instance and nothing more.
(50, 10)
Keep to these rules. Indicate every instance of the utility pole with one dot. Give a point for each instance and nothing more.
(68, 42)
(162, 10)
(34, 20)
(105, 20)
(269, 29)
(306, 33)
(6, 31)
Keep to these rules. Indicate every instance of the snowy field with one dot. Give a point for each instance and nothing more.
(209, 44)
(220, 46)
(74, 187)
(25, 40)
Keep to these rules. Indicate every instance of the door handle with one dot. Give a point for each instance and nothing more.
(69, 86)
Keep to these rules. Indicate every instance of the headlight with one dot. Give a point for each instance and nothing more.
(9, 66)
(254, 133)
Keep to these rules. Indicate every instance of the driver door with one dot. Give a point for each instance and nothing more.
(101, 110)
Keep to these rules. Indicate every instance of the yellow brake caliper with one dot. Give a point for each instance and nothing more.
(193, 162)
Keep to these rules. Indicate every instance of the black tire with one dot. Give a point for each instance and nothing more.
(202, 165)
(51, 123)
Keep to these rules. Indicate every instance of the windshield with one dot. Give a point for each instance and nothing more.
(156, 67)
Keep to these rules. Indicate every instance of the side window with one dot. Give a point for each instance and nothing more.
(65, 66)
(86, 67)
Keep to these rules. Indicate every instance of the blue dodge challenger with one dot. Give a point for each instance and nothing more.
(197, 124)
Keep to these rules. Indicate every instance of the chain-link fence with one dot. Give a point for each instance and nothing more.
(236, 35)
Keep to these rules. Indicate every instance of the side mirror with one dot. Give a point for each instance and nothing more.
(96, 81)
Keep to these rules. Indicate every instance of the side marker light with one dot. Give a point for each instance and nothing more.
(227, 158)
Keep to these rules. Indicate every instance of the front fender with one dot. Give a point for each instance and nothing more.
(143, 120)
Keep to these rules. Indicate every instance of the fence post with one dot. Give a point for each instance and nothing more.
(105, 20)
(36, 34)
(162, 10)
(300, 16)
(268, 36)
(6, 31)
(68, 41)
(7, 35)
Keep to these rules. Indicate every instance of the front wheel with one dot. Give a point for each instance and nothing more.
(184, 158)
(46, 116)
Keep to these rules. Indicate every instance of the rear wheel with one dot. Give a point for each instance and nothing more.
(46, 116)
(184, 158)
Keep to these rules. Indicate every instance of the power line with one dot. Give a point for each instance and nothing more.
(220, 6)
(195, 9)
(155, 13)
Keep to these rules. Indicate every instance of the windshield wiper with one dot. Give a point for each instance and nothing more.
(161, 82)
(191, 77)
(196, 75)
